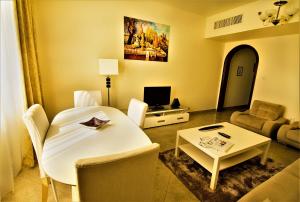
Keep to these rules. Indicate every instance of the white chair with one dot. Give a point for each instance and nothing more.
(84, 98)
(137, 111)
(124, 177)
(37, 125)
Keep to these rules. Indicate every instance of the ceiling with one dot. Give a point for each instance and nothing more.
(205, 7)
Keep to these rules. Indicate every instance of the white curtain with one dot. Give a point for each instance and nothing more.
(12, 100)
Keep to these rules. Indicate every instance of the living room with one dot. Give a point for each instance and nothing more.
(71, 36)
(191, 57)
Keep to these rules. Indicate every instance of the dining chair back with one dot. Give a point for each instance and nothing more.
(137, 111)
(126, 177)
(84, 98)
(37, 125)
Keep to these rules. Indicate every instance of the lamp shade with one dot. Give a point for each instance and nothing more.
(108, 66)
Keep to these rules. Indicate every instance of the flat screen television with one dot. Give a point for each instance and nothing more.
(157, 96)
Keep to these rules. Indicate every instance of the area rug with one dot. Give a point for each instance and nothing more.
(233, 182)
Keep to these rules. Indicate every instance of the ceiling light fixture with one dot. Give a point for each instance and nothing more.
(271, 15)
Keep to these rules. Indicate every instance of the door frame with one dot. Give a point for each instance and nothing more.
(225, 75)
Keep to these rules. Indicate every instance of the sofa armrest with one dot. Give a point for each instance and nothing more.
(235, 114)
(282, 132)
(270, 127)
(246, 112)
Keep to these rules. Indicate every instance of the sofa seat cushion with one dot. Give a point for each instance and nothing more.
(293, 169)
(284, 186)
(294, 135)
(252, 121)
(265, 110)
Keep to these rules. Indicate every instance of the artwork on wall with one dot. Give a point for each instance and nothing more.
(239, 71)
(145, 40)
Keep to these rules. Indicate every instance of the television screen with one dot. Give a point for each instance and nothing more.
(157, 96)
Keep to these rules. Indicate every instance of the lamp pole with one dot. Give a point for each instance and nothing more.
(108, 67)
(108, 86)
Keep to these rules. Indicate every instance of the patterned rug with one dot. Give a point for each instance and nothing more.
(233, 182)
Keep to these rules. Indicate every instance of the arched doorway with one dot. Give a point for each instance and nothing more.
(238, 78)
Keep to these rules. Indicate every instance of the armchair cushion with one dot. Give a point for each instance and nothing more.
(252, 121)
(266, 110)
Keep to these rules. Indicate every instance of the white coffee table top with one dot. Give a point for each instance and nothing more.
(241, 138)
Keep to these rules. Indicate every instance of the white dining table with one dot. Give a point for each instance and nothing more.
(68, 141)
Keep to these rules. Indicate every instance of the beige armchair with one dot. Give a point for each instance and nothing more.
(264, 118)
(290, 134)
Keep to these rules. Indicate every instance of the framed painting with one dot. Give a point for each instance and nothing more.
(145, 40)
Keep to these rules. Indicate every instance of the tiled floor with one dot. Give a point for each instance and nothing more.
(167, 187)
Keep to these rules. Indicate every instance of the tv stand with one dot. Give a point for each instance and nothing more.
(165, 116)
(157, 107)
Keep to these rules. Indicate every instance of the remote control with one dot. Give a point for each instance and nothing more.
(210, 127)
(224, 135)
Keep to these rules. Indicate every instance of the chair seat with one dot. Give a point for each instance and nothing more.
(252, 121)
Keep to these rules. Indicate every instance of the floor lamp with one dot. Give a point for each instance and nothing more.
(108, 67)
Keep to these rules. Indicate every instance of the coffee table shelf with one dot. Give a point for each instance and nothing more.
(207, 162)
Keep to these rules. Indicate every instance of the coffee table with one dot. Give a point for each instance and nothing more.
(247, 145)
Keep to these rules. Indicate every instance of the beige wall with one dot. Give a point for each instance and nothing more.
(72, 35)
(239, 87)
(250, 20)
(277, 77)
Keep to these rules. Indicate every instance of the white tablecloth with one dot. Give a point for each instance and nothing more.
(67, 140)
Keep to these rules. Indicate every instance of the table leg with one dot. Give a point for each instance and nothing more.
(75, 194)
(264, 155)
(215, 174)
(54, 190)
(45, 185)
(177, 145)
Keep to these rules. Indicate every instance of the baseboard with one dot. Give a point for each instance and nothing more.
(203, 111)
(236, 107)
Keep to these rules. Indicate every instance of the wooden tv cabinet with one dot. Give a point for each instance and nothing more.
(161, 117)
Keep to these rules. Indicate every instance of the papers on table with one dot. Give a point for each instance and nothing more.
(215, 143)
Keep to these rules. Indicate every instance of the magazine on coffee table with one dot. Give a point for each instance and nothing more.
(215, 143)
